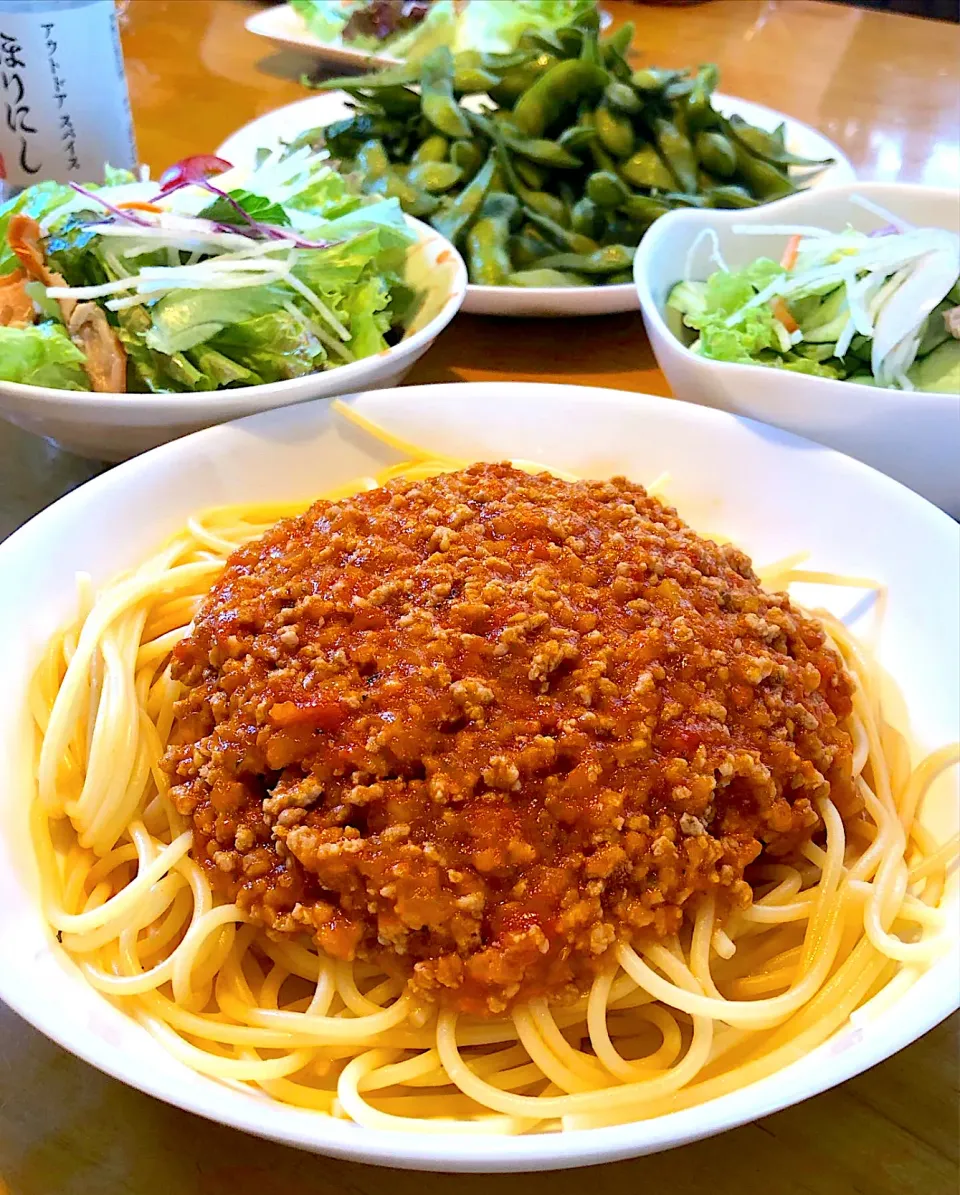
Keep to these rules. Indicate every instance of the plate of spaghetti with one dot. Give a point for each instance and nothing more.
(482, 777)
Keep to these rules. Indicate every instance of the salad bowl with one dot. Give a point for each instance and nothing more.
(911, 435)
(113, 427)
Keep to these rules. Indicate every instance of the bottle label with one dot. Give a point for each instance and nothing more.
(64, 108)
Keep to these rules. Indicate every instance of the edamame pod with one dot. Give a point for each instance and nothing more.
(541, 105)
(543, 278)
(608, 260)
(436, 94)
(468, 156)
(615, 131)
(645, 168)
(434, 149)
(434, 177)
(677, 152)
(586, 218)
(454, 220)
(621, 97)
(716, 153)
(606, 190)
(488, 258)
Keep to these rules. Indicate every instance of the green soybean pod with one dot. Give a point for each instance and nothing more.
(468, 156)
(436, 94)
(760, 179)
(606, 189)
(615, 131)
(609, 259)
(646, 168)
(619, 42)
(372, 160)
(643, 209)
(391, 76)
(396, 101)
(716, 153)
(537, 149)
(544, 278)
(731, 196)
(585, 218)
(454, 220)
(433, 149)
(515, 80)
(527, 247)
(563, 238)
(472, 80)
(551, 206)
(620, 278)
(768, 145)
(541, 105)
(434, 177)
(649, 80)
(488, 258)
(413, 201)
(621, 97)
(699, 111)
(530, 174)
(576, 138)
(677, 152)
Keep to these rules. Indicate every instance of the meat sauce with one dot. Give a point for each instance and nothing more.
(482, 726)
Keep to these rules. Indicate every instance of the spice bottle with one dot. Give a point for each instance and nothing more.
(64, 109)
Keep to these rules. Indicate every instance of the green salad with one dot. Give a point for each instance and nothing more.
(879, 308)
(410, 29)
(208, 277)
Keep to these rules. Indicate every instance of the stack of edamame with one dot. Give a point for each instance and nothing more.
(551, 174)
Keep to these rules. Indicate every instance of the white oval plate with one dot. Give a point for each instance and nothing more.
(771, 492)
(281, 24)
(283, 124)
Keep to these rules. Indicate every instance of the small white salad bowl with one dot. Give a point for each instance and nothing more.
(770, 492)
(112, 427)
(912, 436)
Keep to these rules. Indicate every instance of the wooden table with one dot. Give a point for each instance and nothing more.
(885, 88)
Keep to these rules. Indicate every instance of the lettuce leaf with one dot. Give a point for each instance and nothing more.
(493, 26)
(275, 346)
(367, 316)
(438, 28)
(325, 19)
(708, 308)
(42, 355)
(185, 318)
(220, 369)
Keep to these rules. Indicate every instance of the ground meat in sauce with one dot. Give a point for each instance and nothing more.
(481, 726)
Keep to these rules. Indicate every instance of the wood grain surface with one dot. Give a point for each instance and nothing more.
(886, 89)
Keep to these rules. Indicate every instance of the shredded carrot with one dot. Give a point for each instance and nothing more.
(782, 312)
(789, 259)
(140, 206)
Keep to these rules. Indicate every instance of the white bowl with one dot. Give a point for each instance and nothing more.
(914, 437)
(112, 427)
(283, 124)
(769, 491)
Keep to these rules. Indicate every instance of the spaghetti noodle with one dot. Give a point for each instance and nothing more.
(733, 995)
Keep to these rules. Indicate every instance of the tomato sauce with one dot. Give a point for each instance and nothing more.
(480, 727)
